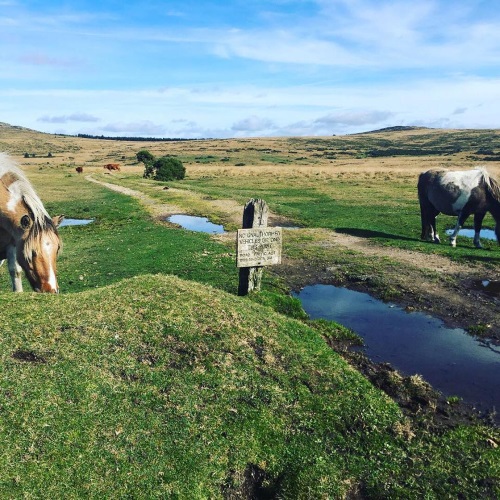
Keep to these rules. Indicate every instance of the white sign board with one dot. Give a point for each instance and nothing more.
(259, 246)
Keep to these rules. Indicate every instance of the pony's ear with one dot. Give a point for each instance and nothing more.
(57, 220)
(26, 222)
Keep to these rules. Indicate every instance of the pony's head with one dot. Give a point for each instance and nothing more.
(37, 251)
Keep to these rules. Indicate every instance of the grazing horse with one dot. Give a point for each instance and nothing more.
(29, 240)
(459, 193)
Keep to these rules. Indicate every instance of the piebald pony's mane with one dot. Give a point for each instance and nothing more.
(492, 185)
(38, 214)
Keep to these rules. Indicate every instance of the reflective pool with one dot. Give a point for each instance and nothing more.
(487, 234)
(75, 222)
(193, 223)
(448, 358)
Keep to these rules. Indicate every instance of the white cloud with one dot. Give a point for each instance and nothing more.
(40, 59)
(75, 117)
(247, 110)
(145, 127)
(367, 34)
(253, 124)
(284, 47)
(354, 118)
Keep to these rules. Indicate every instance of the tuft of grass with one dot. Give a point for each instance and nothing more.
(283, 304)
(479, 330)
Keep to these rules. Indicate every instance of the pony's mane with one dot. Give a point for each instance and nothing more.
(41, 219)
(491, 184)
(33, 202)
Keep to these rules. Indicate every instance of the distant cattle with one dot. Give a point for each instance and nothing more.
(79, 169)
(112, 166)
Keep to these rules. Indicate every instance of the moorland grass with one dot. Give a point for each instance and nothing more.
(382, 207)
(123, 241)
(145, 378)
(160, 387)
(378, 209)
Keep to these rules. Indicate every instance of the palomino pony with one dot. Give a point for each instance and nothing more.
(459, 193)
(28, 236)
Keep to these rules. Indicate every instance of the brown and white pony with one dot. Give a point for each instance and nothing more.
(29, 240)
(459, 193)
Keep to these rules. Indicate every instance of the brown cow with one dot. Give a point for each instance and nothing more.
(112, 166)
(79, 169)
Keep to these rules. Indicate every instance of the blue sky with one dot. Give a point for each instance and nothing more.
(248, 68)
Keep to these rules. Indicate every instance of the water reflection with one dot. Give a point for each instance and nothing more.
(449, 359)
(487, 234)
(75, 222)
(199, 224)
(491, 287)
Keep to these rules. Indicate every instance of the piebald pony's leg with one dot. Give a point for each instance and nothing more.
(462, 217)
(478, 222)
(15, 269)
(435, 235)
(453, 237)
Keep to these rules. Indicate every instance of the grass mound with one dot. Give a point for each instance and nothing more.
(162, 386)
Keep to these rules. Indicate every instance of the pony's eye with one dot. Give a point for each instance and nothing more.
(34, 254)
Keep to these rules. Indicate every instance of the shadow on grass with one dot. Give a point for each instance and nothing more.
(368, 233)
(486, 255)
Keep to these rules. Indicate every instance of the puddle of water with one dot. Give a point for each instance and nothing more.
(414, 343)
(199, 224)
(75, 222)
(487, 234)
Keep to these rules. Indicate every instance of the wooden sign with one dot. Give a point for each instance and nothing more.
(259, 246)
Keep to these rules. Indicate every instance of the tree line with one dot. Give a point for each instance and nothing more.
(136, 139)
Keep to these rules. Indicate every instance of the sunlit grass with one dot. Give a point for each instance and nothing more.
(148, 377)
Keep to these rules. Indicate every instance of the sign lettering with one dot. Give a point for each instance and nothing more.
(259, 247)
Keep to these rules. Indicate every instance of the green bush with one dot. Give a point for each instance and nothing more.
(165, 168)
(168, 169)
(144, 156)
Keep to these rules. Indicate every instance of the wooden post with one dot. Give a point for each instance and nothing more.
(255, 215)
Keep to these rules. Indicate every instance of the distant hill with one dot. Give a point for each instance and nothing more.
(8, 126)
(407, 141)
(397, 128)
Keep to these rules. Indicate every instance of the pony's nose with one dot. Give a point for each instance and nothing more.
(47, 288)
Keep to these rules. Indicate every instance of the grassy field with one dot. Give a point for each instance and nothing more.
(147, 377)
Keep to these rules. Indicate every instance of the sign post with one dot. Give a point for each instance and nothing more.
(257, 246)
